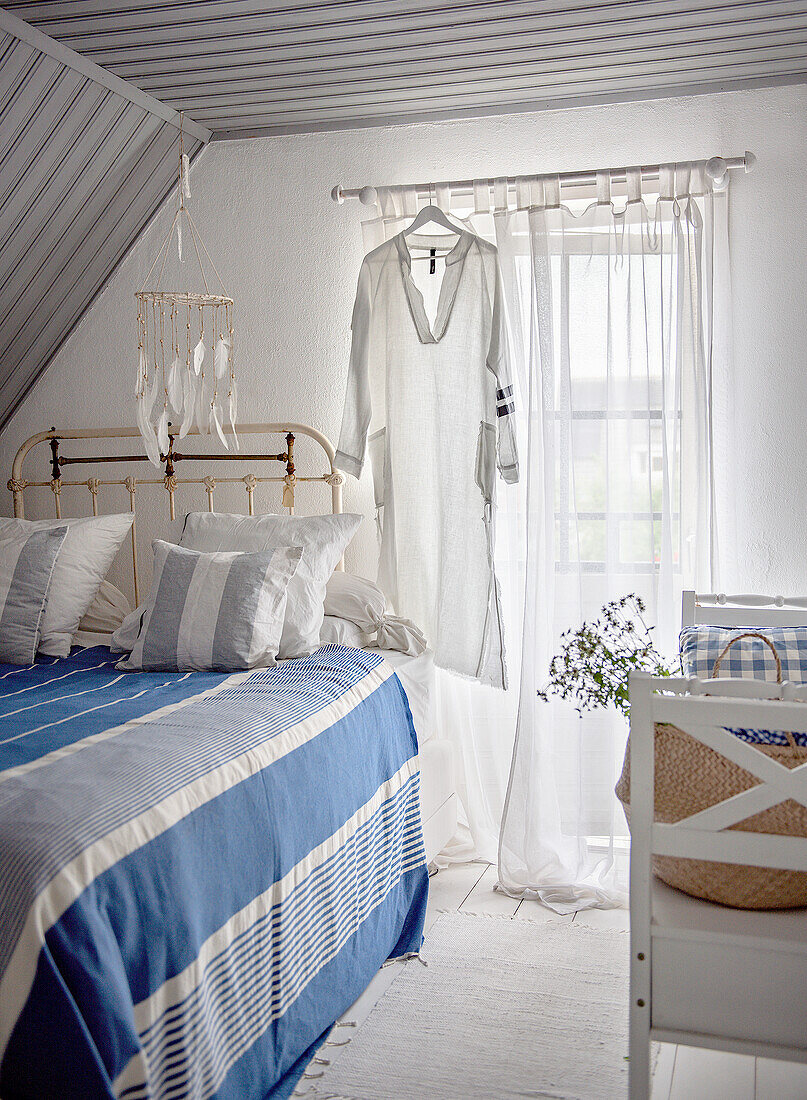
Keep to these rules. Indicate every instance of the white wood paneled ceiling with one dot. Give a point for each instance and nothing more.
(89, 93)
(241, 66)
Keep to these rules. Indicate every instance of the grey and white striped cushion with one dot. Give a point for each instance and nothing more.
(26, 568)
(213, 611)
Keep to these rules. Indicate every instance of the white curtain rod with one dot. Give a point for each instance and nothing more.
(716, 169)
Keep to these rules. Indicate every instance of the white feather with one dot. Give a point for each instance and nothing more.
(179, 238)
(198, 357)
(141, 370)
(147, 432)
(152, 394)
(215, 423)
(222, 356)
(233, 412)
(186, 174)
(174, 385)
(162, 432)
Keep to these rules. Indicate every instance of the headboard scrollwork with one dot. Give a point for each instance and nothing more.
(169, 479)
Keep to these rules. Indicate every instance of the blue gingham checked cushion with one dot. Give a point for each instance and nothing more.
(700, 647)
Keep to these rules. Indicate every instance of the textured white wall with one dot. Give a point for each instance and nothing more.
(289, 256)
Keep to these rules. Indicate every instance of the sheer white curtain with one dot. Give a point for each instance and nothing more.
(617, 306)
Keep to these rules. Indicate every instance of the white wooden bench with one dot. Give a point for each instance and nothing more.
(703, 974)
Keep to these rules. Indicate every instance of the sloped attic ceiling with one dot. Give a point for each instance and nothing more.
(84, 163)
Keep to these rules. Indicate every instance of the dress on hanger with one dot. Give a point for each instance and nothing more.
(433, 400)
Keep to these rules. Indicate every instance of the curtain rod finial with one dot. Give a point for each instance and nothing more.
(750, 162)
(718, 172)
(336, 194)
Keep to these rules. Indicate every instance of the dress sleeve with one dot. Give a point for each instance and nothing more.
(358, 406)
(499, 365)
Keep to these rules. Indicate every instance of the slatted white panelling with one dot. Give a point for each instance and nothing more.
(242, 66)
(82, 169)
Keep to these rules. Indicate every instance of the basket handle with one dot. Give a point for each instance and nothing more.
(791, 740)
(739, 638)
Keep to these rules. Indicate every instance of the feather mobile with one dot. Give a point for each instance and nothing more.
(174, 330)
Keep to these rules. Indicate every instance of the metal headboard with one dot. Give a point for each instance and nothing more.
(169, 480)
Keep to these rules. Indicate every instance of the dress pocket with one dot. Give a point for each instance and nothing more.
(377, 448)
(486, 460)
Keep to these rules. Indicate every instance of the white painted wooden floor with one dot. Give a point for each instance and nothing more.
(682, 1073)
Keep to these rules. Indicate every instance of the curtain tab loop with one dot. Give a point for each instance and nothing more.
(552, 190)
(603, 188)
(682, 176)
(409, 199)
(500, 195)
(481, 196)
(442, 196)
(385, 201)
(633, 177)
(536, 191)
(665, 181)
(522, 192)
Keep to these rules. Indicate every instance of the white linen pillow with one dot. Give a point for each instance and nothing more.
(323, 540)
(336, 631)
(364, 604)
(219, 612)
(27, 563)
(88, 551)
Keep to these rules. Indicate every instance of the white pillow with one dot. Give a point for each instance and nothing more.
(84, 559)
(364, 604)
(336, 631)
(221, 612)
(323, 539)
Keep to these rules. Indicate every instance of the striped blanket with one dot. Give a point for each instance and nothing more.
(198, 872)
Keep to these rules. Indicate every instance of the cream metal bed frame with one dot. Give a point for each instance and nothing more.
(169, 481)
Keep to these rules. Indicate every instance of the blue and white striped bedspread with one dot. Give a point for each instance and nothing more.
(198, 872)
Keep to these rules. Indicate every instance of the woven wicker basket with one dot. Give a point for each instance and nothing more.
(690, 777)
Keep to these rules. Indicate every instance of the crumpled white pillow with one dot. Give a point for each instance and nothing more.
(87, 552)
(106, 613)
(363, 603)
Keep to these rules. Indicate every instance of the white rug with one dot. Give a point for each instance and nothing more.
(505, 1008)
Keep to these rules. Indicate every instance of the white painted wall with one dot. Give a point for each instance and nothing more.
(289, 256)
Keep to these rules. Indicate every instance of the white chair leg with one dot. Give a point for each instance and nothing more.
(639, 1052)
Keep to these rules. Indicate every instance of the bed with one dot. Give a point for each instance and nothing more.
(202, 871)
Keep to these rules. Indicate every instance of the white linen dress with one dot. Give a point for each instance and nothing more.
(434, 400)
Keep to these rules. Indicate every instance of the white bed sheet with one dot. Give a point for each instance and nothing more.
(417, 677)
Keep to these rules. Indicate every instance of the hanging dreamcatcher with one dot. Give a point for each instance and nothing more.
(185, 371)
